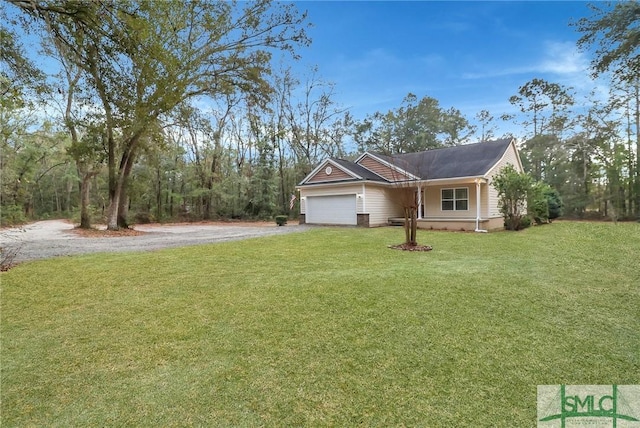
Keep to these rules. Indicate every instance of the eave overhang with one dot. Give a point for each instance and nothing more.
(333, 164)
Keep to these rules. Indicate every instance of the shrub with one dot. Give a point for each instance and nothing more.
(11, 215)
(522, 223)
(513, 188)
(281, 220)
(537, 203)
(555, 203)
(144, 218)
(522, 199)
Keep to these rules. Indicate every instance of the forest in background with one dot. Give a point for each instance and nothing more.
(178, 111)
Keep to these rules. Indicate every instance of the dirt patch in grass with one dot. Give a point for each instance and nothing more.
(104, 233)
(408, 247)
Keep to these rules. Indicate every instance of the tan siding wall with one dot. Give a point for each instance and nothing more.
(382, 170)
(494, 210)
(484, 200)
(336, 175)
(332, 190)
(433, 206)
(381, 203)
(510, 157)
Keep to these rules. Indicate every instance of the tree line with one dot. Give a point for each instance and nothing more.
(179, 111)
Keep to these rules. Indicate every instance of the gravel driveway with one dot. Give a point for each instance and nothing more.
(53, 238)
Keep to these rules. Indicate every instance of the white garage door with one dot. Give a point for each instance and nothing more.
(338, 209)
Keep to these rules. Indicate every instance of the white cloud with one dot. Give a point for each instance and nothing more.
(558, 58)
(563, 58)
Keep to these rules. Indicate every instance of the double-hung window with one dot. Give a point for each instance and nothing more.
(455, 199)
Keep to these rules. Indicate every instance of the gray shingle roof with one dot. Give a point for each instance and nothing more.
(468, 160)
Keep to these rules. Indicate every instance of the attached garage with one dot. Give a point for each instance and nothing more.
(334, 209)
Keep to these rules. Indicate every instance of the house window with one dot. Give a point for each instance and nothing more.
(455, 199)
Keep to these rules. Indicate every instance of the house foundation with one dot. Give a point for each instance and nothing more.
(363, 220)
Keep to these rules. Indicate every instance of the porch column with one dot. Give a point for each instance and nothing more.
(419, 202)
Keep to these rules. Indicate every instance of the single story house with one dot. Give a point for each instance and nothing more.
(452, 187)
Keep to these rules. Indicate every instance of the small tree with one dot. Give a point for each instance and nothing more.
(537, 202)
(410, 206)
(513, 188)
(555, 203)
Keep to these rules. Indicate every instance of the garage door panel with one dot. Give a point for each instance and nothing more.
(335, 209)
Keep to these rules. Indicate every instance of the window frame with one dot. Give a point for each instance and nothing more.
(454, 200)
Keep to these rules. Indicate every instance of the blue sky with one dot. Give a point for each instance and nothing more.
(467, 55)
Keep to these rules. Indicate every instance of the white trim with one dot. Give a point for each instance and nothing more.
(466, 179)
(345, 182)
(404, 184)
(515, 149)
(419, 201)
(454, 200)
(478, 208)
(512, 144)
(323, 164)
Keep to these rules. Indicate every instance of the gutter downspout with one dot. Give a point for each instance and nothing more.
(478, 207)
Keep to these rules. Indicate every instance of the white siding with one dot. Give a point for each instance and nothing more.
(494, 210)
(484, 200)
(381, 203)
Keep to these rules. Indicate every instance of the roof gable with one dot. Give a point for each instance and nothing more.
(338, 170)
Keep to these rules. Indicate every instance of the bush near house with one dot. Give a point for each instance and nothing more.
(522, 199)
(513, 188)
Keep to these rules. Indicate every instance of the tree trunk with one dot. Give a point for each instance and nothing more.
(414, 226)
(118, 201)
(159, 194)
(115, 195)
(67, 202)
(112, 211)
(407, 226)
(85, 188)
(123, 209)
(637, 120)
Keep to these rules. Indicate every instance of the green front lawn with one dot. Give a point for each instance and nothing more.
(326, 327)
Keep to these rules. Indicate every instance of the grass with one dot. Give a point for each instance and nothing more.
(327, 327)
